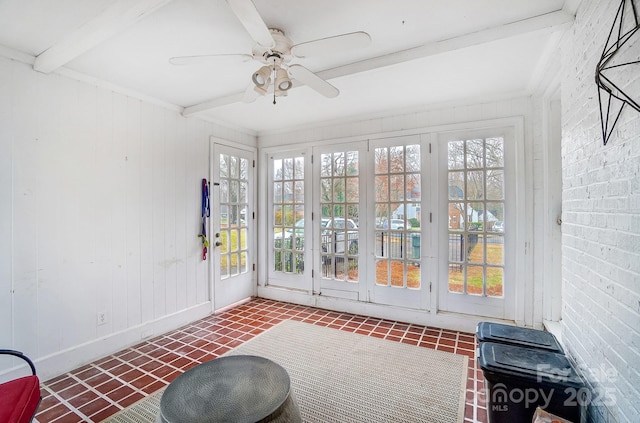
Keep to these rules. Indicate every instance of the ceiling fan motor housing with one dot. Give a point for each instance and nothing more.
(280, 52)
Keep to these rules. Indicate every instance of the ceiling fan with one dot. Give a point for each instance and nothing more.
(275, 51)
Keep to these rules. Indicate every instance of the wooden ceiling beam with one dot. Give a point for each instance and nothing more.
(114, 19)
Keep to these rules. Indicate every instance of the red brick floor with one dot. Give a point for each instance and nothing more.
(94, 392)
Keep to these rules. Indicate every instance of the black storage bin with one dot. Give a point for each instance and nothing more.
(520, 379)
(513, 335)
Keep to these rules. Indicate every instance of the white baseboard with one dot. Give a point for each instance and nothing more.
(451, 321)
(66, 360)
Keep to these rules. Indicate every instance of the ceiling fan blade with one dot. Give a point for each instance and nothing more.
(329, 45)
(309, 78)
(210, 58)
(250, 94)
(248, 15)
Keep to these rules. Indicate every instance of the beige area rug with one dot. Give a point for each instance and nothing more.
(343, 377)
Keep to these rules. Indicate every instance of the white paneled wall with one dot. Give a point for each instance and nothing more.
(99, 213)
(601, 223)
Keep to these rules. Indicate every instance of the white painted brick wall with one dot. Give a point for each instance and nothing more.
(601, 224)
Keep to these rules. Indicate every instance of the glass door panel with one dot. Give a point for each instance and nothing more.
(289, 220)
(233, 225)
(474, 167)
(339, 221)
(397, 197)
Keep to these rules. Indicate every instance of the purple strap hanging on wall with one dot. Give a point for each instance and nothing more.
(205, 212)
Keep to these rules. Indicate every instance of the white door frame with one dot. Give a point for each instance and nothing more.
(418, 299)
(218, 301)
(328, 286)
(515, 276)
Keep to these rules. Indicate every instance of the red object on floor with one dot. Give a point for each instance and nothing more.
(19, 398)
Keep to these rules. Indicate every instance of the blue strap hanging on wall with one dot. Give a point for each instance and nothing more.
(205, 212)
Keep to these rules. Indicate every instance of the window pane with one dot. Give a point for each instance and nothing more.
(397, 187)
(298, 187)
(495, 217)
(381, 164)
(234, 167)
(382, 188)
(413, 192)
(475, 185)
(224, 166)
(277, 192)
(277, 170)
(495, 152)
(475, 154)
(244, 167)
(352, 163)
(495, 281)
(456, 185)
(339, 164)
(287, 169)
(457, 216)
(475, 248)
(298, 171)
(353, 191)
(396, 159)
(455, 150)
(495, 249)
(325, 165)
(326, 192)
(338, 190)
(495, 184)
(413, 158)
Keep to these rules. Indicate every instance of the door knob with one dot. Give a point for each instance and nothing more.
(218, 243)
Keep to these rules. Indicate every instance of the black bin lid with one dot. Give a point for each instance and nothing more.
(498, 361)
(524, 337)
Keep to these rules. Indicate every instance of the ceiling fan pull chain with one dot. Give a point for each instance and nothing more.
(274, 81)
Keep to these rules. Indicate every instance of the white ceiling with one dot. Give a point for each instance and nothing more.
(422, 51)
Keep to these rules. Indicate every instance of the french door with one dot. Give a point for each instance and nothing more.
(368, 232)
(340, 220)
(476, 205)
(232, 224)
(398, 193)
(424, 222)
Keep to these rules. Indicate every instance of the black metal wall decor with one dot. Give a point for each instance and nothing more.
(619, 58)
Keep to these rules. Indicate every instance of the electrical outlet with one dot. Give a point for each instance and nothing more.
(101, 318)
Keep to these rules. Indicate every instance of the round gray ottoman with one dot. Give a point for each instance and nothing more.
(240, 388)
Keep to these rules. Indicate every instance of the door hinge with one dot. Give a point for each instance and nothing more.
(429, 148)
(254, 267)
(429, 286)
(312, 159)
(254, 163)
(430, 217)
(312, 273)
(253, 215)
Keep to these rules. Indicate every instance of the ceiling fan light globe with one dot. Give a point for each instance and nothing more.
(284, 85)
(261, 78)
(258, 80)
(283, 82)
